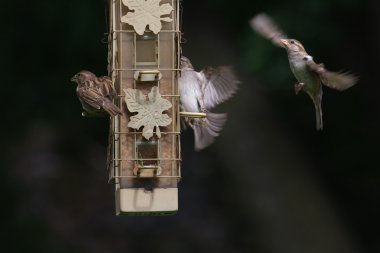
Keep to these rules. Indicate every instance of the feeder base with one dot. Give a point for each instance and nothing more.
(140, 202)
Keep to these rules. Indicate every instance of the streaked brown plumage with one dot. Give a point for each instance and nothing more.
(95, 93)
(309, 74)
(202, 91)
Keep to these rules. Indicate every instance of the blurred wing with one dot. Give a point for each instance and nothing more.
(334, 80)
(267, 28)
(106, 86)
(218, 85)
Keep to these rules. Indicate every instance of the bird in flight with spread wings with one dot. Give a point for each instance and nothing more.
(202, 91)
(309, 74)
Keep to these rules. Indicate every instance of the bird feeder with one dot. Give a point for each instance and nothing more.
(144, 145)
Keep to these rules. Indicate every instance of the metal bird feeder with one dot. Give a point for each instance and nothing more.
(144, 158)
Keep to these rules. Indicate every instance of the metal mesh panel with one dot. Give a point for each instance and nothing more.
(133, 161)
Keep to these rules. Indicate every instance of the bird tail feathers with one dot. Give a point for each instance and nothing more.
(111, 109)
(318, 113)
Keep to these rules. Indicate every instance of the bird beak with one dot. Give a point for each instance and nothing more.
(285, 42)
(73, 79)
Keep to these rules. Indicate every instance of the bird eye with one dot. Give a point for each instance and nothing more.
(305, 58)
(292, 42)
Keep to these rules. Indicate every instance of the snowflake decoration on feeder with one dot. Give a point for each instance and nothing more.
(149, 112)
(146, 12)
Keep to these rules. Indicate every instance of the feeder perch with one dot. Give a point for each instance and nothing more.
(144, 149)
(193, 114)
(147, 75)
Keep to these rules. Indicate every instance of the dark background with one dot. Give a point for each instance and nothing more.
(270, 183)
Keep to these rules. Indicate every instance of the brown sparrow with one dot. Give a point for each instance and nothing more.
(309, 74)
(202, 91)
(95, 93)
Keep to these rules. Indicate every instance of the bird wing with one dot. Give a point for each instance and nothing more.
(266, 27)
(106, 86)
(91, 96)
(218, 85)
(334, 80)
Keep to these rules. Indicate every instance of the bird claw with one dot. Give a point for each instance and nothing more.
(298, 87)
(203, 122)
(189, 122)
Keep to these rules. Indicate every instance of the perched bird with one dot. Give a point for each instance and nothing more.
(309, 74)
(95, 93)
(202, 91)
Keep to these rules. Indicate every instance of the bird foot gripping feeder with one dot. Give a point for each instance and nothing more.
(144, 150)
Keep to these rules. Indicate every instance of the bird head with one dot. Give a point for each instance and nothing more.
(81, 76)
(293, 45)
(185, 63)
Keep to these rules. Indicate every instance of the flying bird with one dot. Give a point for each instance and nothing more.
(95, 93)
(202, 91)
(309, 74)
